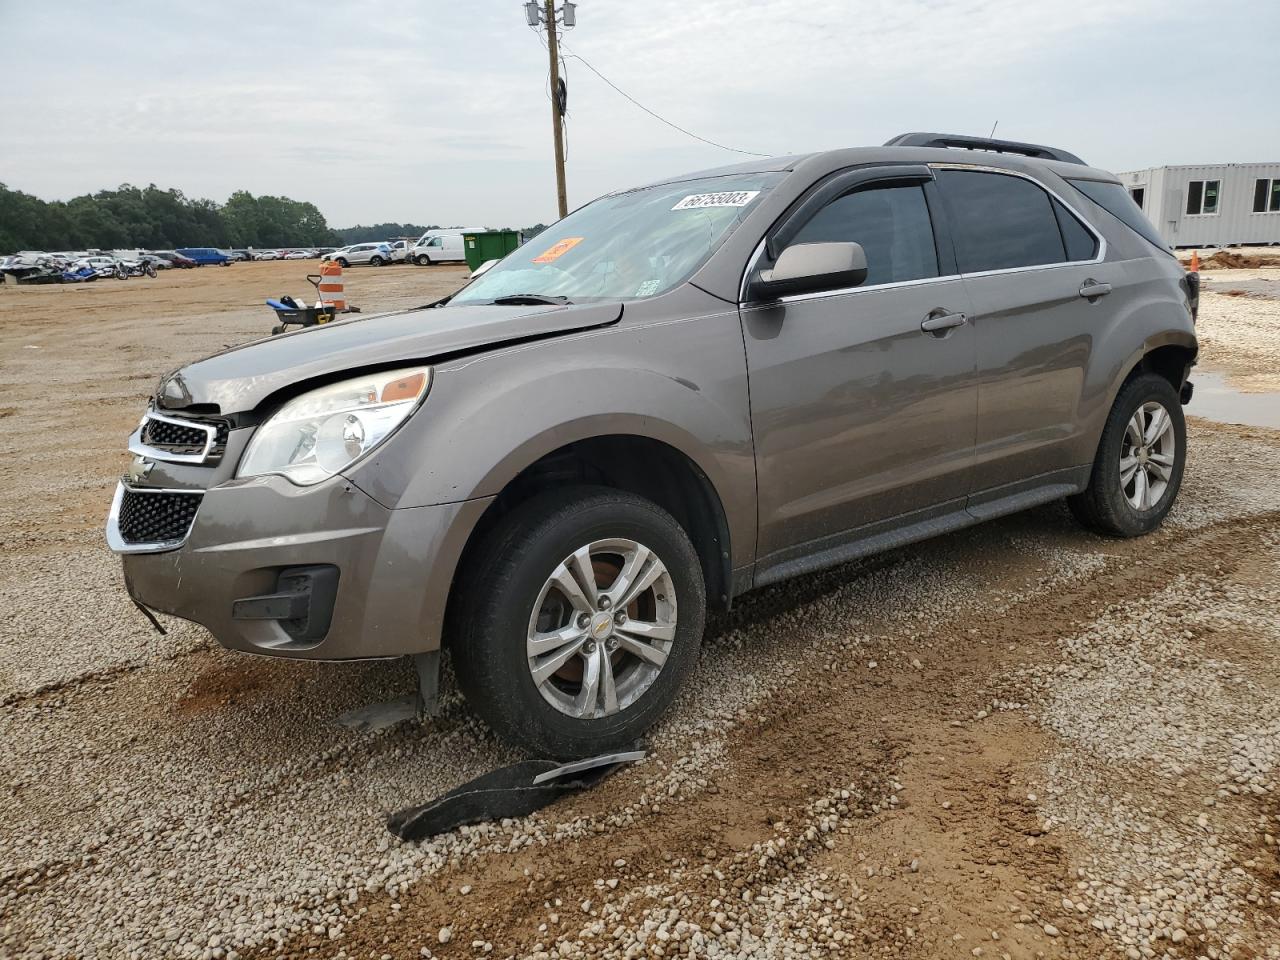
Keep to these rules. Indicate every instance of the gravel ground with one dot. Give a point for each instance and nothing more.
(1016, 741)
(1240, 334)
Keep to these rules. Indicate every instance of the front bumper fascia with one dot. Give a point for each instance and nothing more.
(395, 567)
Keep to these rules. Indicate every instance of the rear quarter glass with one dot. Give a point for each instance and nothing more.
(1115, 200)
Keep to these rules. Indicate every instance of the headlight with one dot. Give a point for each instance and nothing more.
(314, 436)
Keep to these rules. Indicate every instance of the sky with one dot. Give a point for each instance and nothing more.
(436, 111)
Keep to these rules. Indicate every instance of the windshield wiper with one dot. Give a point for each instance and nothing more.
(526, 299)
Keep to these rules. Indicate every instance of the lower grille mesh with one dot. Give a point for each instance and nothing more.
(150, 516)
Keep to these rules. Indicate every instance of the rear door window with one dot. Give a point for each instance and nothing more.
(1000, 221)
(892, 225)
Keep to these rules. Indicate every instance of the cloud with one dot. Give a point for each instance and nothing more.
(434, 112)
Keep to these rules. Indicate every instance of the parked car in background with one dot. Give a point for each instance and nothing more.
(99, 262)
(440, 246)
(175, 258)
(159, 262)
(298, 255)
(239, 255)
(374, 254)
(205, 255)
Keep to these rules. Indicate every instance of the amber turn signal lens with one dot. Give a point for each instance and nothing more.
(406, 388)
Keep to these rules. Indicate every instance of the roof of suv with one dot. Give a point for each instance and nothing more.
(922, 148)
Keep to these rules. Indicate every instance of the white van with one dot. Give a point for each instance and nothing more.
(441, 246)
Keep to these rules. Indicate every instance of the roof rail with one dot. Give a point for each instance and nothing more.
(983, 143)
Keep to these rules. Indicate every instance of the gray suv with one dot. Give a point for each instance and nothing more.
(674, 395)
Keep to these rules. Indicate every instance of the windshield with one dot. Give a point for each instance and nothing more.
(628, 245)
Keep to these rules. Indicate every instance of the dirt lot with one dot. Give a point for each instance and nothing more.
(1018, 741)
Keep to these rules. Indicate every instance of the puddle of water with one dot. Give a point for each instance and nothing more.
(1215, 399)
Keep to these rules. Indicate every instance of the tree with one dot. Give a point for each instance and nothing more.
(382, 231)
(156, 219)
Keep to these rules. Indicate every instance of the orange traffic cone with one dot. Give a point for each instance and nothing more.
(331, 292)
(1195, 262)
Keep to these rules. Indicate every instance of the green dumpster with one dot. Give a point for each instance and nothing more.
(490, 245)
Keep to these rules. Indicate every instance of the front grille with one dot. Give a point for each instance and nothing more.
(185, 440)
(156, 516)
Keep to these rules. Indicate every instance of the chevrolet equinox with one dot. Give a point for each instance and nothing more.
(674, 395)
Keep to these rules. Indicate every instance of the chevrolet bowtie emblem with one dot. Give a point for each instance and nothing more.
(139, 469)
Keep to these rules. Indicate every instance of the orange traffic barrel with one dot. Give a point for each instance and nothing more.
(330, 286)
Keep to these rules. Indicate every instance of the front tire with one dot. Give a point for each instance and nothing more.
(424, 260)
(342, 262)
(1140, 461)
(578, 619)
(375, 261)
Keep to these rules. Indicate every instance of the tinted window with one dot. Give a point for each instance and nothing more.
(891, 223)
(1114, 199)
(1080, 243)
(999, 221)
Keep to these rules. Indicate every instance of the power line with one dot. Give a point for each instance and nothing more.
(674, 126)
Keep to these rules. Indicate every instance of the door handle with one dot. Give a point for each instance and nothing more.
(939, 322)
(1091, 290)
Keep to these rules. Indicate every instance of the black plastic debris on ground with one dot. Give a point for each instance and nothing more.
(513, 791)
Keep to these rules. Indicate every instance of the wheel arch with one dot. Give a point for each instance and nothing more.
(1171, 354)
(637, 463)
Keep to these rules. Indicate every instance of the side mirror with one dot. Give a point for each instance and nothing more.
(811, 268)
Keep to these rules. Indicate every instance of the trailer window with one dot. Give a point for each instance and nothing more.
(1266, 196)
(1202, 197)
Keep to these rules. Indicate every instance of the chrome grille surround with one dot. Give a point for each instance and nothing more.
(138, 513)
(178, 439)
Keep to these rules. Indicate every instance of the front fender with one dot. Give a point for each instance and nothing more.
(681, 382)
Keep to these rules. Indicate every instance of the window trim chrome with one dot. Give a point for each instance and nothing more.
(137, 447)
(116, 541)
(1099, 257)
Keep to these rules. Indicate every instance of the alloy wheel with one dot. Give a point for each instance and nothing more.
(602, 628)
(1147, 455)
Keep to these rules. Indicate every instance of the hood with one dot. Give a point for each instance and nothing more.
(239, 379)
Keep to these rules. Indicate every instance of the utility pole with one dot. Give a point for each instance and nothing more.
(546, 14)
(557, 122)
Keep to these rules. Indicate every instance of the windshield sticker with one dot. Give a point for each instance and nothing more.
(648, 288)
(735, 198)
(557, 249)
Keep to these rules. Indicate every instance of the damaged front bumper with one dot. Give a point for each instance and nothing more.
(321, 572)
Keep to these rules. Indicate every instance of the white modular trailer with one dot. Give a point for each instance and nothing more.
(1212, 205)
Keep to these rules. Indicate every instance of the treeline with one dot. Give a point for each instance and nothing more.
(383, 231)
(157, 219)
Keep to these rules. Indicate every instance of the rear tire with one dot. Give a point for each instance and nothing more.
(556, 674)
(1140, 461)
